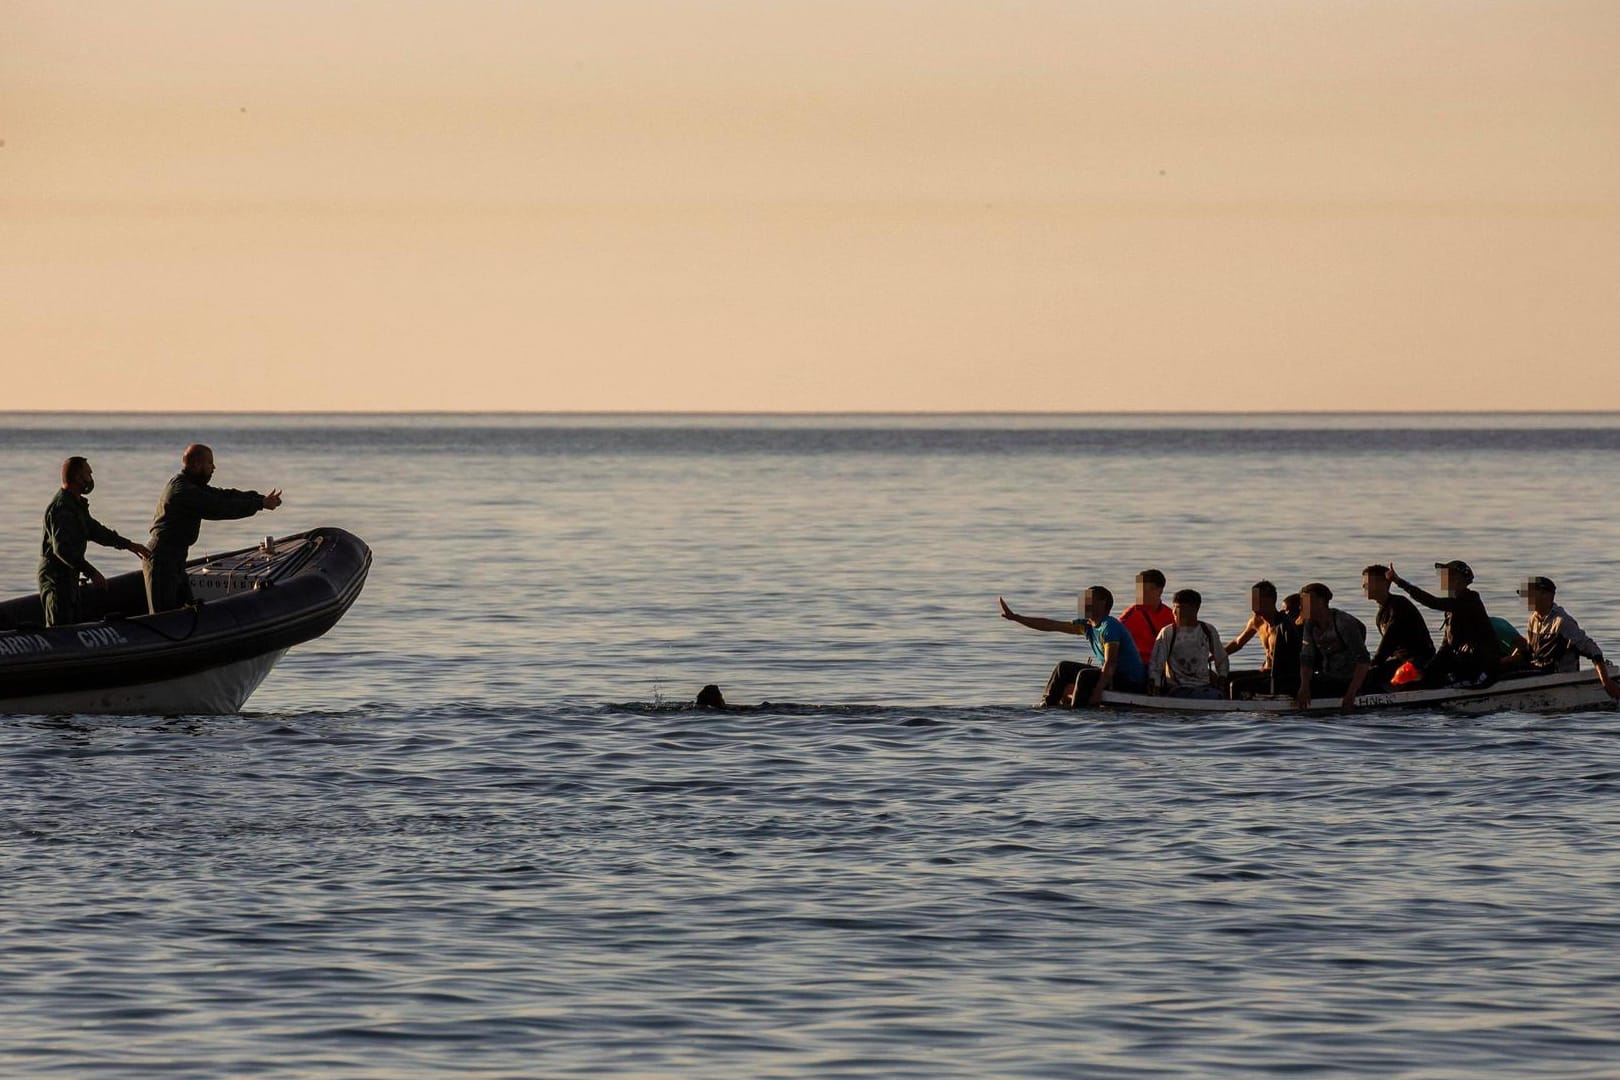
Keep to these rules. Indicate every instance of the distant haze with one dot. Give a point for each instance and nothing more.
(810, 205)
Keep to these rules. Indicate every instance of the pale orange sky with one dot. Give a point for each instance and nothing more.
(810, 204)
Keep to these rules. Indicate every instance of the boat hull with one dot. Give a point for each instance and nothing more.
(217, 691)
(207, 658)
(1560, 692)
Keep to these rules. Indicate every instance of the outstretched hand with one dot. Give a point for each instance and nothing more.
(1006, 612)
(272, 500)
(142, 550)
(1390, 574)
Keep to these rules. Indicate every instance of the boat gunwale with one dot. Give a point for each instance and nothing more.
(1439, 697)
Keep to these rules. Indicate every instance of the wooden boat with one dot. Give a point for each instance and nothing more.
(206, 658)
(1559, 692)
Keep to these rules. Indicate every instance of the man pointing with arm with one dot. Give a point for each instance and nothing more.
(186, 502)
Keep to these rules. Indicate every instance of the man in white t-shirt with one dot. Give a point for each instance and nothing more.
(1188, 657)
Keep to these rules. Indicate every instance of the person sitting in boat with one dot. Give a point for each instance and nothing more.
(1116, 663)
(1188, 659)
(1508, 639)
(1554, 641)
(188, 500)
(1403, 634)
(69, 528)
(1333, 652)
(1150, 614)
(1279, 635)
(1468, 655)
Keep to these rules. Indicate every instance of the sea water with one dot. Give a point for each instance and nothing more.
(473, 831)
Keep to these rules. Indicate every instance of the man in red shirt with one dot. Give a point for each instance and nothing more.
(1145, 618)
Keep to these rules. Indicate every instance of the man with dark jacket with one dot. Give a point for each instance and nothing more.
(69, 529)
(1469, 654)
(1403, 635)
(186, 502)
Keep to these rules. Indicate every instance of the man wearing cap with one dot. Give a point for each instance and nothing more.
(1554, 640)
(1468, 653)
(69, 528)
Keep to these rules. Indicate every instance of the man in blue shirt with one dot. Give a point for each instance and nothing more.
(1117, 663)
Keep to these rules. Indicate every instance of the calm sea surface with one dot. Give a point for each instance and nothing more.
(472, 831)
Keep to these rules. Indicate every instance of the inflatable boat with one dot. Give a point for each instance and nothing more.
(1558, 692)
(206, 658)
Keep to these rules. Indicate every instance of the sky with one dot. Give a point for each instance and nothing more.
(809, 205)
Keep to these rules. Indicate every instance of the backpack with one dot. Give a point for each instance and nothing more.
(1211, 639)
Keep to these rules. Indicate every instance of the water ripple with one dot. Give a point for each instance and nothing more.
(809, 891)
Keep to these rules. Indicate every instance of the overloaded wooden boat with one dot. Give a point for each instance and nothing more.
(206, 658)
(1563, 691)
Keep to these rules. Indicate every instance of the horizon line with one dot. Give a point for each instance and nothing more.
(808, 412)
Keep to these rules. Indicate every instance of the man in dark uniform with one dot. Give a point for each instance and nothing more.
(186, 501)
(69, 528)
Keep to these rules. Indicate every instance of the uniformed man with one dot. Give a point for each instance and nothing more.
(186, 501)
(68, 529)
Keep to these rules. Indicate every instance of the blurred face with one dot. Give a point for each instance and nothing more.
(85, 479)
(1186, 614)
(1537, 599)
(1259, 602)
(1316, 609)
(1147, 592)
(1450, 581)
(1375, 587)
(1093, 607)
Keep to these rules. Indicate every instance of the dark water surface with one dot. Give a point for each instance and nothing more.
(470, 832)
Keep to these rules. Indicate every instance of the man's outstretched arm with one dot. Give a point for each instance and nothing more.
(1050, 625)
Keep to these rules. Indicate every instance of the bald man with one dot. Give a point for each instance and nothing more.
(69, 529)
(185, 503)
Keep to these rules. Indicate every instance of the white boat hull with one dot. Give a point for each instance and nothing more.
(218, 691)
(1561, 692)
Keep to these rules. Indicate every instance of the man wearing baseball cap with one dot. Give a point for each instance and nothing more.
(1468, 653)
(1555, 640)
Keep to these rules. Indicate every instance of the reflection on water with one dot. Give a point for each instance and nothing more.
(403, 890)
